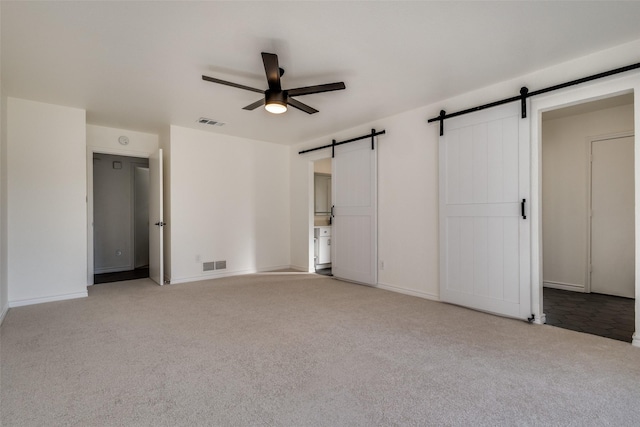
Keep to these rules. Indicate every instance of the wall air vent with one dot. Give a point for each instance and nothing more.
(205, 121)
(214, 265)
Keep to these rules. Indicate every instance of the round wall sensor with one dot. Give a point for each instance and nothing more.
(123, 140)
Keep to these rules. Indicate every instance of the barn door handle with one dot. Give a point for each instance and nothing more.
(524, 201)
(332, 215)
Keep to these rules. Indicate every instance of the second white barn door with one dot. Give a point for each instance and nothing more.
(484, 236)
(354, 224)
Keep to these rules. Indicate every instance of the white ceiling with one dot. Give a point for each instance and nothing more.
(138, 65)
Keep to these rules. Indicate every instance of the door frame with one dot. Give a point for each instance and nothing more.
(311, 159)
(90, 240)
(601, 89)
(590, 141)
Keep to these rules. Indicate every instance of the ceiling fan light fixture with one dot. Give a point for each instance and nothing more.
(275, 102)
(275, 108)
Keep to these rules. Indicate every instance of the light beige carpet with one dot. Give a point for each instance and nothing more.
(300, 350)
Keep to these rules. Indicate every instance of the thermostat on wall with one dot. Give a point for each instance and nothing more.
(123, 140)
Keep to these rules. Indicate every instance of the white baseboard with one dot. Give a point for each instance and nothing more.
(405, 291)
(239, 273)
(175, 281)
(3, 313)
(636, 339)
(276, 268)
(32, 301)
(563, 286)
(301, 268)
(541, 321)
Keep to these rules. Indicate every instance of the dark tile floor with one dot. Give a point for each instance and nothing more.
(119, 276)
(324, 271)
(597, 314)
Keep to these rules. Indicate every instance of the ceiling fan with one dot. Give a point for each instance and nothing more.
(275, 98)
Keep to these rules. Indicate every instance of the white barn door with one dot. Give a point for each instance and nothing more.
(484, 236)
(354, 226)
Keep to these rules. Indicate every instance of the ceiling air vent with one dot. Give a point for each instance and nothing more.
(205, 121)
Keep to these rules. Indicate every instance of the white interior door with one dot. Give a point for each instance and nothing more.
(156, 219)
(484, 238)
(354, 226)
(612, 217)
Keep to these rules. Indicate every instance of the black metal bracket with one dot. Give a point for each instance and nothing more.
(524, 201)
(373, 135)
(443, 114)
(523, 101)
(333, 148)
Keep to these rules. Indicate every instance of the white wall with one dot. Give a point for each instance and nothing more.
(408, 175)
(323, 166)
(229, 201)
(46, 180)
(407, 201)
(565, 166)
(103, 139)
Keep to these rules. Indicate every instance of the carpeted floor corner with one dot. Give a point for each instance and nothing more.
(300, 350)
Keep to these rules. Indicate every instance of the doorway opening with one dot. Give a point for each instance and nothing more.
(588, 217)
(120, 218)
(322, 216)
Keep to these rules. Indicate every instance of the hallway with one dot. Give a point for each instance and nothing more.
(597, 314)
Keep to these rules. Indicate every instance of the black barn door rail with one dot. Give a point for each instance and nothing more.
(334, 143)
(524, 94)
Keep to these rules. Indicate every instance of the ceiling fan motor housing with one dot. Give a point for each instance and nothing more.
(275, 97)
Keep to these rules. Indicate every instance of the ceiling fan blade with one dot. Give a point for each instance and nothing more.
(224, 82)
(316, 89)
(272, 70)
(254, 105)
(300, 106)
